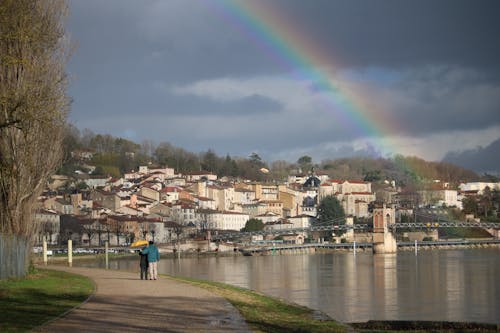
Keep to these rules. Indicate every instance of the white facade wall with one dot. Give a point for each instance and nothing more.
(96, 182)
(300, 221)
(479, 186)
(226, 198)
(347, 187)
(234, 221)
(450, 198)
(226, 220)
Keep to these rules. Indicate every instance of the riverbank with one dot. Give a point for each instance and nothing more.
(358, 288)
(269, 314)
(261, 312)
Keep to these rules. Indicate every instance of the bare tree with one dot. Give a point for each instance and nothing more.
(89, 229)
(118, 229)
(33, 106)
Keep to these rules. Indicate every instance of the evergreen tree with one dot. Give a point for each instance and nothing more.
(330, 209)
(253, 225)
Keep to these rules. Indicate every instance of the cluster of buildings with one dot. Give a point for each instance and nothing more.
(158, 204)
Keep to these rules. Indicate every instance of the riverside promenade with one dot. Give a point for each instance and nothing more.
(122, 302)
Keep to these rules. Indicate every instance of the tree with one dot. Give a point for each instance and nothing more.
(469, 205)
(89, 229)
(33, 107)
(305, 163)
(330, 209)
(118, 228)
(210, 161)
(253, 225)
(255, 160)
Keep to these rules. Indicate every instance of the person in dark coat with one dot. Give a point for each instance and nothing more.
(153, 258)
(144, 265)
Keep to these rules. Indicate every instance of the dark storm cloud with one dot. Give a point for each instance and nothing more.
(402, 33)
(480, 159)
(436, 99)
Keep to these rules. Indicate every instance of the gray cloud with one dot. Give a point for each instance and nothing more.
(428, 68)
(480, 159)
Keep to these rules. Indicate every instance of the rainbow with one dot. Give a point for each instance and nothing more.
(290, 48)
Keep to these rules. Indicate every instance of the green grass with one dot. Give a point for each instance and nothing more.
(41, 296)
(267, 314)
(463, 233)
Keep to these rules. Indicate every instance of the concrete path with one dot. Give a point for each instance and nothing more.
(125, 303)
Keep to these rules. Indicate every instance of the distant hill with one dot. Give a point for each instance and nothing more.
(482, 160)
(115, 156)
(406, 171)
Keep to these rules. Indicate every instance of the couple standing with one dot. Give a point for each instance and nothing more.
(149, 259)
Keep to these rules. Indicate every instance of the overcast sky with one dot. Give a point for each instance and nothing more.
(412, 77)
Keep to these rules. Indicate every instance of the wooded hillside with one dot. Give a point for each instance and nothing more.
(115, 156)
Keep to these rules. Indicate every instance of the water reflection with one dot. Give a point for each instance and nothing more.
(452, 285)
(385, 300)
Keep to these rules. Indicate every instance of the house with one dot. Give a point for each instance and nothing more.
(96, 181)
(161, 209)
(167, 172)
(49, 224)
(150, 191)
(266, 191)
(292, 199)
(281, 224)
(275, 206)
(479, 187)
(223, 196)
(170, 194)
(268, 217)
(128, 210)
(201, 175)
(254, 209)
(439, 198)
(301, 221)
(223, 220)
(205, 203)
(244, 195)
(62, 206)
(354, 195)
(106, 199)
(184, 212)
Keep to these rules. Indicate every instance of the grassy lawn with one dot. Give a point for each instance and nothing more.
(40, 297)
(267, 314)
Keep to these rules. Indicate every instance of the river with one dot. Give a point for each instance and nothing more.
(441, 285)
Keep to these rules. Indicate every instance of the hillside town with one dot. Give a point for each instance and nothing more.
(156, 203)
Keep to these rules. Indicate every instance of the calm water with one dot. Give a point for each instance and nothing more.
(451, 285)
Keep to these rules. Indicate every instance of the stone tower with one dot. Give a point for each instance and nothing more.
(383, 240)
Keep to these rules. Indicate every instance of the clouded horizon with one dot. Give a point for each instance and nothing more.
(422, 77)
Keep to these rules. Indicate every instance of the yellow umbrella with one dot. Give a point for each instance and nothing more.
(139, 243)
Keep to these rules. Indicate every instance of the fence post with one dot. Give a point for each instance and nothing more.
(106, 253)
(70, 253)
(44, 249)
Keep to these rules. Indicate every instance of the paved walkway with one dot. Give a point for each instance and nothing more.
(124, 303)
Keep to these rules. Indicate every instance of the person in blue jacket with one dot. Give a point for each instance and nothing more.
(153, 257)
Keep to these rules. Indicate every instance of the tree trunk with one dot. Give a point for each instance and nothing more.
(33, 108)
